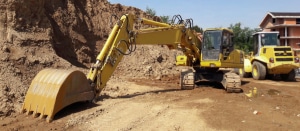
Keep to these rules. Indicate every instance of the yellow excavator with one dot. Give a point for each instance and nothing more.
(53, 89)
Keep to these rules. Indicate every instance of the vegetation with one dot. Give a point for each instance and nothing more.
(242, 37)
(197, 29)
(150, 11)
(165, 19)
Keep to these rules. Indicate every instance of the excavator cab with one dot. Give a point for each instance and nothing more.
(216, 41)
(218, 50)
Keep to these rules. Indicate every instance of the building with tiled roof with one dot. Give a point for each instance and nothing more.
(288, 24)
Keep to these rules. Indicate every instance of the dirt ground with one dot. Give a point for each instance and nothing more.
(150, 104)
(143, 93)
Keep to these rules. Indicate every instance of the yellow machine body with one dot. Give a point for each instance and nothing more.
(52, 89)
(218, 51)
(247, 65)
(268, 58)
(181, 60)
(235, 60)
(284, 60)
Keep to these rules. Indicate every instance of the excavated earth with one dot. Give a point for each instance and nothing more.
(143, 93)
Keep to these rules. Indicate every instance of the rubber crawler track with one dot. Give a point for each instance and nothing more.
(232, 82)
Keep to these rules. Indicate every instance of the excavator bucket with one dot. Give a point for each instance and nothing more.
(52, 89)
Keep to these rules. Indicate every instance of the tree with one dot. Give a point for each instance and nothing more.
(150, 11)
(197, 29)
(242, 36)
(165, 19)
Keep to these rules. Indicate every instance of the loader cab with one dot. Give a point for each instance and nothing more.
(216, 41)
(261, 39)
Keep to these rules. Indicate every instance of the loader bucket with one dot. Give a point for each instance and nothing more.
(52, 89)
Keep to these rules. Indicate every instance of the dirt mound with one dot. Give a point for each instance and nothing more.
(38, 34)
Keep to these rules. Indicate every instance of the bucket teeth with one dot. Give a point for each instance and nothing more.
(35, 114)
(29, 112)
(49, 119)
(23, 111)
(42, 116)
(51, 90)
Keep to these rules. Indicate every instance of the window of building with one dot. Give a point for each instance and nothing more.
(273, 20)
(298, 21)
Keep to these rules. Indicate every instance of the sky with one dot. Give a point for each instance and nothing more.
(216, 13)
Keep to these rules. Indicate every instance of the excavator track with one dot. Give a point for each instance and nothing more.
(187, 79)
(232, 82)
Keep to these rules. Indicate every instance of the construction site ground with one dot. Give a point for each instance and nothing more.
(153, 104)
(142, 94)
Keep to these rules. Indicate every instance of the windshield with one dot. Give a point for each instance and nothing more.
(268, 39)
(212, 40)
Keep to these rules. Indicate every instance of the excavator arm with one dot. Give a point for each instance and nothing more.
(53, 89)
(124, 38)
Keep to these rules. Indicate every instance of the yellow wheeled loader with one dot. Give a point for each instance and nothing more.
(269, 58)
(53, 89)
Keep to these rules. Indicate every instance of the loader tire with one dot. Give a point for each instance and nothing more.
(243, 74)
(258, 71)
(289, 77)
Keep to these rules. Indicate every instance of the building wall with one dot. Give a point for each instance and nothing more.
(293, 33)
(267, 23)
(295, 43)
(281, 32)
(290, 21)
(280, 21)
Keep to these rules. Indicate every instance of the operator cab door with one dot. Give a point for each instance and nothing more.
(211, 45)
(227, 44)
(256, 45)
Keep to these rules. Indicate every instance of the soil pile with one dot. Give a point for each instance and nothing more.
(38, 34)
